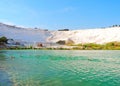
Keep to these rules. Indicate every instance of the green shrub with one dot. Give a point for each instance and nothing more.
(3, 39)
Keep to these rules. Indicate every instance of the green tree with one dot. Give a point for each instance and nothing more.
(61, 42)
(3, 39)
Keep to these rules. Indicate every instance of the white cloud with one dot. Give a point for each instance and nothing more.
(58, 11)
(5, 21)
(66, 9)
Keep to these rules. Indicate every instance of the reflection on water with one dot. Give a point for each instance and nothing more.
(2, 55)
(61, 68)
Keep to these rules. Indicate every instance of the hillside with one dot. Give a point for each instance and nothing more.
(99, 36)
(23, 34)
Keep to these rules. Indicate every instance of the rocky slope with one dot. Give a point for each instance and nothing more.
(100, 35)
(23, 34)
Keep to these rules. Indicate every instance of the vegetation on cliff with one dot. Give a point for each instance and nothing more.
(93, 46)
(3, 39)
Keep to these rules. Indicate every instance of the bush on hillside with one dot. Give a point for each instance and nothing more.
(3, 39)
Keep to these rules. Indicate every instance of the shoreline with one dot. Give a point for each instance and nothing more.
(58, 49)
(87, 46)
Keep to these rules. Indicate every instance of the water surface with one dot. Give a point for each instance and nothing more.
(59, 68)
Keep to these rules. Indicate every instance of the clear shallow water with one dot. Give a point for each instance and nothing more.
(59, 68)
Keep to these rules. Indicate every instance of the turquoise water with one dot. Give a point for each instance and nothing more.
(59, 68)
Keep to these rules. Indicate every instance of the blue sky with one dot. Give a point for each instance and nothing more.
(60, 14)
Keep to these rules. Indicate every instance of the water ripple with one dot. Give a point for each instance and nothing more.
(62, 68)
